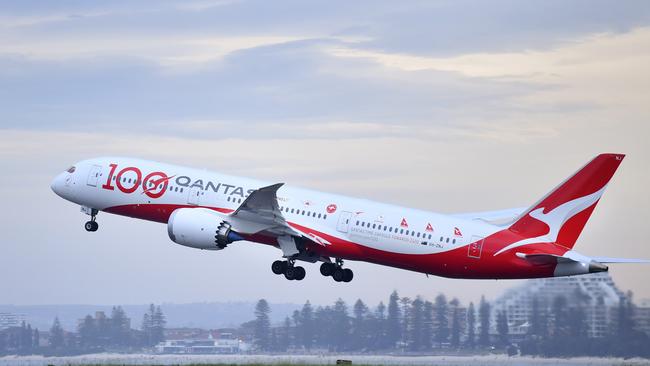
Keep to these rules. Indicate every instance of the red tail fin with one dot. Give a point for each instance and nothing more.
(560, 216)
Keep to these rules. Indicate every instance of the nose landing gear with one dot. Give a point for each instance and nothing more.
(290, 271)
(92, 225)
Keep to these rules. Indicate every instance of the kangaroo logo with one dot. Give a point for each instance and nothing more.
(556, 218)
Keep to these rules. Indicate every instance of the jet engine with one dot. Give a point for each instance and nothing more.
(201, 228)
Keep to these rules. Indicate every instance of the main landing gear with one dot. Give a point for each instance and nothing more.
(92, 225)
(336, 270)
(290, 271)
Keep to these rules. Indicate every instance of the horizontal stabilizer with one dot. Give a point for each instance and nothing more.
(619, 260)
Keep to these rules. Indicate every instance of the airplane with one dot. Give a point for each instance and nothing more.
(212, 211)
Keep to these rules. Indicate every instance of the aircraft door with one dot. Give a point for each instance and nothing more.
(194, 196)
(475, 247)
(344, 221)
(93, 175)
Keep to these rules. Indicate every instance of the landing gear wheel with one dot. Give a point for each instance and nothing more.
(91, 226)
(338, 275)
(327, 269)
(348, 275)
(279, 267)
(299, 273)
(291, 273)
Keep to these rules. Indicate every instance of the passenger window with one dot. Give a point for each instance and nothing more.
(441, 238)
(401, 231)
(324, 216)
(385, 227)
(390, 229)
(319, 215)
(303, 212)
(407, 232)
(447, 240)
(374, 226)
(357, 222)
(453, 241)
(418, 235)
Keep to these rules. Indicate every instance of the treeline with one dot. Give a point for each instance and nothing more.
(561, 329)
(94, 334)
(442, 326)
(21, 340)
(405, 324)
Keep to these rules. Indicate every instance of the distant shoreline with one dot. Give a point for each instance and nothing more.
(147, 359)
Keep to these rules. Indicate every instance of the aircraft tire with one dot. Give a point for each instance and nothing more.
(91, 226)
(348, 275)
(300, 273)
(290, 273)
(279, 267)
(338, 274)
(327, 269)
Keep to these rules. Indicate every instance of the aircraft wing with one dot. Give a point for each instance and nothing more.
(260, 212)
(498, 217)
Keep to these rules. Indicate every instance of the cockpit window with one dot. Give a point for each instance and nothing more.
(71, 169)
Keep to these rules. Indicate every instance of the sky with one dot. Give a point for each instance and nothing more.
(447, 106)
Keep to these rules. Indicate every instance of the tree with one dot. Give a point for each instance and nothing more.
(56, 334)
(415, 327)
(502, 327)
(146, 328)
(158, 323)
(393, 326)
(406, 316)
(427, 326)
(119, 327)
(262, 325)
(380, 328)
(87, 332)
(284, 339)
(471, 326)
(484, 322)
(455, 324)
(359, 332)
(37, 338)
(153, 325)
(442, 321)
(305, 328)
(341, 325)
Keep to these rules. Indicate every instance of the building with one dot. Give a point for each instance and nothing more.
(225, 344)
(642, 316)
(595, 293)
(8, 320)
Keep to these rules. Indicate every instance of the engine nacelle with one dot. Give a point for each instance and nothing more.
(200, 228)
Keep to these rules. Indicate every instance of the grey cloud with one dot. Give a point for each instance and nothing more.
(289, 84)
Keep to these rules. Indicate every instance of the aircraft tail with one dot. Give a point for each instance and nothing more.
(560, 216)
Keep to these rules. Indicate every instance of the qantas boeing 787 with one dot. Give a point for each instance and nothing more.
(211, 211)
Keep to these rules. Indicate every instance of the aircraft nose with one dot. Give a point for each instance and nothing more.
(57, 184)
